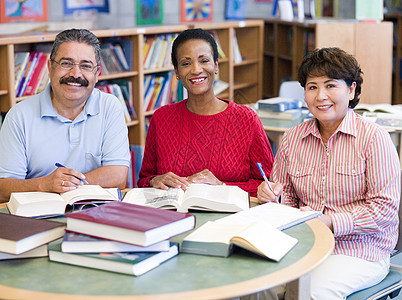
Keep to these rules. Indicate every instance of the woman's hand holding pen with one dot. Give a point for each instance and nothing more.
(265, 194)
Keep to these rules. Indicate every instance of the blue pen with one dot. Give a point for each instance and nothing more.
(264, 176)
(61, 166)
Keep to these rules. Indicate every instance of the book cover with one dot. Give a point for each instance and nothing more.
(20, 234)
(80, 243)
(134, 263)
(130, 223)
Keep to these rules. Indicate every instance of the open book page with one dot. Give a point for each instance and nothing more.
(381, 107)
(88, 192)
(264, 239)
(388, 121)
(170, 198)
(278, 215)
(215, 198)
(31, 204)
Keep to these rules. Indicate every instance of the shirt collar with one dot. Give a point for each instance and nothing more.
(347, 126)
(92, 107)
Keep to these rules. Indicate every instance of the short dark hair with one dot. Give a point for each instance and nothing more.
(76, 35)
(334, 63)
(194, 34)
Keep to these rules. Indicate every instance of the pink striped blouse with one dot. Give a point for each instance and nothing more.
(355, 181)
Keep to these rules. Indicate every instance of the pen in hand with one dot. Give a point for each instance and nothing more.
(265, 178)
(61, 166)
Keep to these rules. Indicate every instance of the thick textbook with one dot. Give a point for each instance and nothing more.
(20, 234)
(222, 198)
(40, 251)
(130, 223)
(80, 243)
(134, 263)
(40, 204)
(218, 239)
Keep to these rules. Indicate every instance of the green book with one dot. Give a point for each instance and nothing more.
(133, 263)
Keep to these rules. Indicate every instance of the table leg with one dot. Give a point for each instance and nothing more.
(299, 288)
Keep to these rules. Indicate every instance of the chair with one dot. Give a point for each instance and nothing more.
(391, 285)
(291, 89)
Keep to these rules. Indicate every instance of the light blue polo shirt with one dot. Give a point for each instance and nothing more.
(34, 137)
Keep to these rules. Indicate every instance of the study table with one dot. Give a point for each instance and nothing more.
(186, 276)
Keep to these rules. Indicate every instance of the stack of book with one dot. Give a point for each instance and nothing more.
(280, 112)
(22, 237)
(120, 237)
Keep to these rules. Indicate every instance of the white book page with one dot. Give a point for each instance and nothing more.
(35, 203)
(268, 240)
(278, 215)
(212, 232)
(154, 197)
(223, 196)
(87, 192)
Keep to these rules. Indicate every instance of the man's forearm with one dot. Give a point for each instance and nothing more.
(108, 176)
(9, 185)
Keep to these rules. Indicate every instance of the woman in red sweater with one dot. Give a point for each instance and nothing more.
(203, 139)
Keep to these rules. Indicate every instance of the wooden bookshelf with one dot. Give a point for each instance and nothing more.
(244, 78)
(397, 58)
(286, 43)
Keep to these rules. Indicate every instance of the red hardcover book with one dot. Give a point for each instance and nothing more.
(20, 234)
(130, 223)
(36, 75)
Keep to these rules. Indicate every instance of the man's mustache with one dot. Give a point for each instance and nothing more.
(78, 80)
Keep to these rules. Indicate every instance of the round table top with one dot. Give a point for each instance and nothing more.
(185, 276)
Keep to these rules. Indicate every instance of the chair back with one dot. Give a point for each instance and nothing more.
(291, 89)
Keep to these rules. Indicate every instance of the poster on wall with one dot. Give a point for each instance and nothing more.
(196, 11)
(149, 12)
(72, 6)
(235, 9)
(28, 10)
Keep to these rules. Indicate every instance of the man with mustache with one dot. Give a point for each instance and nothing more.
(70, 123)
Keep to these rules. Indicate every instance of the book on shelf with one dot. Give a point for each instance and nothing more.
(238, 58)
(37, 75)
(20, 61)
(80, 243)
(134, 263)
(33, 57)
(386, 120)
(137, 152)
(279, 104)
(21, 234)
(46, 204)
(40, 251)
(218, 44)
(220, 86)
(380, 108)
(130, 223)
(219, 239)
(222, 198)
(126, 46)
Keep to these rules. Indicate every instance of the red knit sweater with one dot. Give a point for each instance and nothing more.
(229, 144)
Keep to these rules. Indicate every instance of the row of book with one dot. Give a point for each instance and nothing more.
(113, 59)
(114, 237)
(157, 50)
(122, 89)
(160, 89)
(31, 73)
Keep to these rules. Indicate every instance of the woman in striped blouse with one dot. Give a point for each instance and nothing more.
(347, 168)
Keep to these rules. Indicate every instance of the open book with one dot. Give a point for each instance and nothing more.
(381, 108)
(217, 239)
(41, 204)
(221, 198)
(388, 121)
